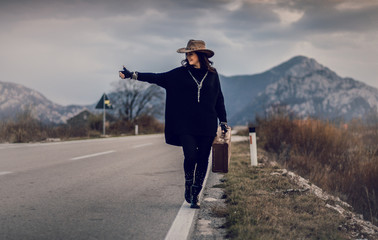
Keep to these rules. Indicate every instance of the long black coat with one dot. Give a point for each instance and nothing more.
(183, 113)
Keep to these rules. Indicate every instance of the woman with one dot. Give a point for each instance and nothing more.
(194, 102)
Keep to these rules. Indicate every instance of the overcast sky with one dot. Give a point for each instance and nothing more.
(71, 50)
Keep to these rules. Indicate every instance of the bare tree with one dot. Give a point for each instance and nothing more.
(134, 98)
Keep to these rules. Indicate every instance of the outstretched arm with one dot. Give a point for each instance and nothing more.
(160, 79)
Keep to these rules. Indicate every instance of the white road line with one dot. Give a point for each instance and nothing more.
(141, 145)
(7, 147)
(4, 146)
(181, 225)
(92, 155)
(183, 222)
(5, 173)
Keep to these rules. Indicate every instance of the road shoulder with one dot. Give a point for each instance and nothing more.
(211, 217)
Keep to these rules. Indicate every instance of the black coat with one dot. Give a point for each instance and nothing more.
(183, 113)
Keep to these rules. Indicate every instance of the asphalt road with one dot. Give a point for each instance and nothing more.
(114, 188)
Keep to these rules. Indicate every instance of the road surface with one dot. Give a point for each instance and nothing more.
(113, 188)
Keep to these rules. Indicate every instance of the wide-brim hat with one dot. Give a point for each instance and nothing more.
(196, 46)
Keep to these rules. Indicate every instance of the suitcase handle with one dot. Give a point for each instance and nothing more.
(221, 136)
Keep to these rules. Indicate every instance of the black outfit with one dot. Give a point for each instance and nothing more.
(191, 120)
(183, 113)
(196, 151)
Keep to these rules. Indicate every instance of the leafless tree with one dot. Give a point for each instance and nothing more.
(134, 98)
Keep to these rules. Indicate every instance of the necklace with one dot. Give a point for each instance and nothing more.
(199, 85)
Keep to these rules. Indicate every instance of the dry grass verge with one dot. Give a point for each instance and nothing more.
(338, 158)
(264, 205)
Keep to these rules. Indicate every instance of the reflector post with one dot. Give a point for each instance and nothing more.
(253, 146)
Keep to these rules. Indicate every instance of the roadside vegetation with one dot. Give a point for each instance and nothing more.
(340, 158)
(261, 205)
(26, 129)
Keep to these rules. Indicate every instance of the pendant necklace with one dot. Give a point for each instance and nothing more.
(199, 85)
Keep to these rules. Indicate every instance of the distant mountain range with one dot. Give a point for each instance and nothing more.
(15, 98)
(304, 86)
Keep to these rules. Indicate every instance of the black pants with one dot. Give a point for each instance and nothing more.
(196, 152)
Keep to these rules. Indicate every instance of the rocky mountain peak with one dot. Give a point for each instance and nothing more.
(305, 87)
(298, 66)
(15, 98)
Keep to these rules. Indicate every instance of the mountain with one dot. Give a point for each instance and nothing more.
(15, 98)
(304, 86)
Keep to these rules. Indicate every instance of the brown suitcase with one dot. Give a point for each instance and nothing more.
(221, 151)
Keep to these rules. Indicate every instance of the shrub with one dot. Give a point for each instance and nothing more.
(339, 158)
(146, 125)
(24, 129)
(27, 129)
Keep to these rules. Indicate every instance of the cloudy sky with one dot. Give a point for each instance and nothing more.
(71, 50)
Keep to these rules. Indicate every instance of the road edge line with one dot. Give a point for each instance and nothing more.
(182, 226)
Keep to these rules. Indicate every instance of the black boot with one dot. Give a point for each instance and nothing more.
(188, 186)
(194, 199)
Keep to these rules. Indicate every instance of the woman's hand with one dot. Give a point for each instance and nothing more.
(125, 73)
(224, 127)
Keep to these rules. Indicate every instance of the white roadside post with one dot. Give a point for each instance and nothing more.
(136, 129)
(104, 116)
(253, 146)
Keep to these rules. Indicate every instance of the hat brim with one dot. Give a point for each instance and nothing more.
(209, 53)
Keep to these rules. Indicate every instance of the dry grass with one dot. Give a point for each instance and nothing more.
(258, 208)
(27, 129)
(341, 159)
(146, 125)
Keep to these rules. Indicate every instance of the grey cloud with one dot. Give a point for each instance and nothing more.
(92, 38)
(319, 17)
(249, 18)
(324, 16)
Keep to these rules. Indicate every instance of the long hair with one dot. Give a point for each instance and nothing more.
(204, 62)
